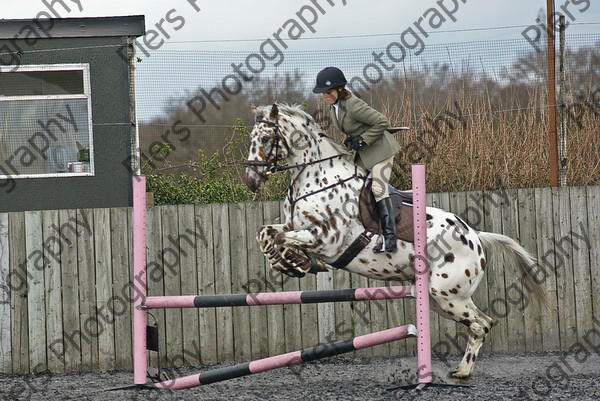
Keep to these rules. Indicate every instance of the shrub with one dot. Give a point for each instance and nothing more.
(217, 178)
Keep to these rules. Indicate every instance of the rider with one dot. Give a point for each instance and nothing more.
(365, 130)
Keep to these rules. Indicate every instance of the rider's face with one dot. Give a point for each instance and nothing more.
(331, 96)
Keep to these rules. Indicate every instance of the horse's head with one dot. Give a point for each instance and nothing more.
(268, 147)
(285, 137)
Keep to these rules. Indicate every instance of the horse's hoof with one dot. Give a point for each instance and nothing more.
(455, 375)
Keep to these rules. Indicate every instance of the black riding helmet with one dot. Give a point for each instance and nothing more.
(329, 78)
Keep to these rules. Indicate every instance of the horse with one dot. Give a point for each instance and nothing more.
(322, 223)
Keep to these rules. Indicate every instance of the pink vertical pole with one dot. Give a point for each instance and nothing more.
(424, 368)
(139, 280)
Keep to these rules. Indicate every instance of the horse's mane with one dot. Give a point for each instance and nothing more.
(297, 111)
(292, 110)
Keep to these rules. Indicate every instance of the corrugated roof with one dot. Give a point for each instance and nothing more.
(132, 25)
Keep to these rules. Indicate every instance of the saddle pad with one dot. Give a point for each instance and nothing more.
(369, 216)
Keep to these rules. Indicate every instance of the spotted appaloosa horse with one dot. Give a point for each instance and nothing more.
(321, 221)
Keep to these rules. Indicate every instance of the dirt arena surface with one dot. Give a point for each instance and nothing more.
(532, 376)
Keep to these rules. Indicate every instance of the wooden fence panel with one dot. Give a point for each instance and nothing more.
(291, 313)
(36, 296)
(259, 331)
(5, 290)
(309, 314)
(274, 282)
(185, 243)
(326, 325)
(593, 235)
(172, 278)
(19, 291)
(495, 276)
(88, 304)
(545, 234)
(121, 309)
(66, 284)
(512, 279)
(222, 260)
(527, 238)
(239, 279)
(104, 323)
(361, 317)
(206, 283)
(155, 282)
(333, 319)
(579, 250)
(567, 318)
(75, 337)
(53, 293)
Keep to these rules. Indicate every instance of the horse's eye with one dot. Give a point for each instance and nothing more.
(265, 139)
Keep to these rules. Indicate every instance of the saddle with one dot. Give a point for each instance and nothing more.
(402, 203)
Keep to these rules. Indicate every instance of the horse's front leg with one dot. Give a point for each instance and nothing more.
(320, 239)
(281, 257)
(307, 239)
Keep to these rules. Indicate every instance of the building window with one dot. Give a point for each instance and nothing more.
(46, 121)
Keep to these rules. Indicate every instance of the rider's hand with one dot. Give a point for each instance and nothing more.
(348, 142)
(358, 143)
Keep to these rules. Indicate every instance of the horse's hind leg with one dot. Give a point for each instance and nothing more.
(478, 324)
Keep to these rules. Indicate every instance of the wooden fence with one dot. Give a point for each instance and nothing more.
(65, 284)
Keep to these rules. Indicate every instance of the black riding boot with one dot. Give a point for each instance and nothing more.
(388, 225)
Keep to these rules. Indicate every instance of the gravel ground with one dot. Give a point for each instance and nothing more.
(532, 376)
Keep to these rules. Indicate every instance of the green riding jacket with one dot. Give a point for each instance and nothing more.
(356, 118)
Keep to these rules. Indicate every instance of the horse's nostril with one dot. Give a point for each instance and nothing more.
(251, 180)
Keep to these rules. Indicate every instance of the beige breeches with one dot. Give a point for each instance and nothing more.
(382, 172)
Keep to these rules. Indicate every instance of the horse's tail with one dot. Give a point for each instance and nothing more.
(532, 275)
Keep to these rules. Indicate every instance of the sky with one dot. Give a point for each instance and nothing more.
(237, 21)
(243, 25)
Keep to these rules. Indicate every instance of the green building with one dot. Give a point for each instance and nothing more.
(68, 135)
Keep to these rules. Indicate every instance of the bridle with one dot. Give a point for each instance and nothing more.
(275, 167)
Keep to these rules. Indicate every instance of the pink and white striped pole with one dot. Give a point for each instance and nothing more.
(289, 359)
(139, 280)
(424, 368)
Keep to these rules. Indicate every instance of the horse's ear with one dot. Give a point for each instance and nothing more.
(274, 112)
(253, 108)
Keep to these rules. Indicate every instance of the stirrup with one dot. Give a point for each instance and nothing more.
(380, 247)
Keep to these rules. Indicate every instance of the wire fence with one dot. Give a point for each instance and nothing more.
(496, 88)
(478, 110)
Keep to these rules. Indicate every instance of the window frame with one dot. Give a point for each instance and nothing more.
(85, 67)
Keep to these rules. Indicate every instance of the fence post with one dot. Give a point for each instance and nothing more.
(553, 151)
(139, 280)
(424, 368)
(561, 96)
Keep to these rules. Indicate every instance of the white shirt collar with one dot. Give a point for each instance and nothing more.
(336, 106)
